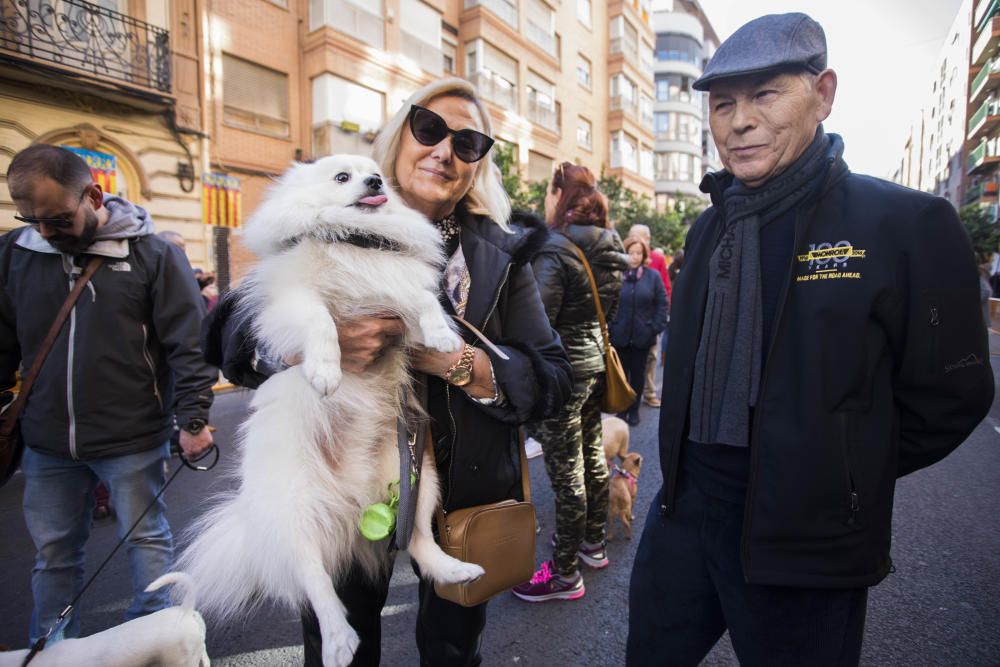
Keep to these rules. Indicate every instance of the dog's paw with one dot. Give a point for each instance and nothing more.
(339, 646)
(442, 339)
(323, 374)
(460, 572)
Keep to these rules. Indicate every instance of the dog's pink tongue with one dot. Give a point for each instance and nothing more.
(373, 200)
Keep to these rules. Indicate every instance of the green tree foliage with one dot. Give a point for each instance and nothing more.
(983, 230)
(625, 208)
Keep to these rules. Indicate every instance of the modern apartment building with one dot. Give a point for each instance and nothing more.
(983, 126)
(934, 156)
(685, 40)
(254, 84)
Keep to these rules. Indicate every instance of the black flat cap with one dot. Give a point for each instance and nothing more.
(772, 42)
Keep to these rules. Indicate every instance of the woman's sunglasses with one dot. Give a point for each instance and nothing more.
(430, 129)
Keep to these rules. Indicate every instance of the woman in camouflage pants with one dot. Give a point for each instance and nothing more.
(577, 215)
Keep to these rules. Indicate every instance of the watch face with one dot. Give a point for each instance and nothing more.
(460, 377)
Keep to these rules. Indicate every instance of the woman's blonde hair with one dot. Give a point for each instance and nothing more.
(486, 196)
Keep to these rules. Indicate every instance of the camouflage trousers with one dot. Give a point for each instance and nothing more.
(574, 460)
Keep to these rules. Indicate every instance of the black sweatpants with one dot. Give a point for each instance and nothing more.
(448, 635)
(688, 588)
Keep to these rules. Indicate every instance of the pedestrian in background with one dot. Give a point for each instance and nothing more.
(641, 316)
(577, 215)
(658, 263)
(434, 152)
(813, 359)
(102, 406)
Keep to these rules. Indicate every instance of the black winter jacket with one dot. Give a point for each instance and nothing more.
(642, 312)
(475, 445)
(567, 295)
(126, 361)
(878, 367)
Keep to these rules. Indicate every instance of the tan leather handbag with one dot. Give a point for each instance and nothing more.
(618, 393)
(499, 537)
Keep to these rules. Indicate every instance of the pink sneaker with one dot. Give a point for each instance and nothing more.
(547, 584)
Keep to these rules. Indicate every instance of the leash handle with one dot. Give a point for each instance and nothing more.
(40, 644)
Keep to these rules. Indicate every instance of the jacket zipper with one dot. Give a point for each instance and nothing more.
(935, 322)
(447, 388)
(754, 439)
(854, 502)
(152, 367)
(69, 378)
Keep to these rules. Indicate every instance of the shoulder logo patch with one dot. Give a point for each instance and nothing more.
(120, 266)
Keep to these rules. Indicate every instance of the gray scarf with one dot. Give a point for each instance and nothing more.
(728, 364)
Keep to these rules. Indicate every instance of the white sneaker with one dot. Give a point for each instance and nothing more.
(532, 448)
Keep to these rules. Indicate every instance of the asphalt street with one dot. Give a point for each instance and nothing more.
(940, 607)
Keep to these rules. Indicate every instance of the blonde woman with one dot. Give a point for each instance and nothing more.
(435, 152)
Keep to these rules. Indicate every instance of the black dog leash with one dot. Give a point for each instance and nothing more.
(40, 644)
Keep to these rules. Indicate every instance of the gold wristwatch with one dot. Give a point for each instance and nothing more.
(460, 373)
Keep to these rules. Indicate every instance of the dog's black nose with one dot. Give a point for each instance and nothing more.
(374, 183)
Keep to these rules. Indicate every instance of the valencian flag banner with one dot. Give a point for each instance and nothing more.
(220, 200)
(103, 168)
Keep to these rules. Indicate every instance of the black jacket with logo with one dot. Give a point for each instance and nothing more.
(127, 360)
(568, 297)
(878, 366)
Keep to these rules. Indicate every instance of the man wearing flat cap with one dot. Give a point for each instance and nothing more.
(813, 359)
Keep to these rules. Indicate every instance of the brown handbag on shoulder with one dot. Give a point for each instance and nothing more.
(11, 445)
(618, 393)
(499, 537)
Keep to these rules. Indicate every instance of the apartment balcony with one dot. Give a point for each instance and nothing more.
(77, 38)
(986, 10)
(985, 82)
(544, 39)
(504, 10)
(495, 89)
(423, 53)
(983, 157)
(544, 116)
(985, 118)
(976, 194)
(985, 45)
(620, 103)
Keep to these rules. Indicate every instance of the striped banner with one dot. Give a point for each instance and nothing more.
(220, 200)
(103, 168)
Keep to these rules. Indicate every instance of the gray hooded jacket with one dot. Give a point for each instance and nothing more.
(129, 355)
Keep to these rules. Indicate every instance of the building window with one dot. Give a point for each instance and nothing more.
(448, 52)
(541, 102)
(645, 109)
(675, 88)
(646, 162)
(678, 47)
(661, 123)
(675, 126)
(420, 35)
(254, 97)
(624, 152)
(493, 73)
(584, 133)
(540, 29)
(678, 167)
(624, 38)
(505, 9)
(624, 94)
(583, 71)
(345, 115)
(583, 12)
(539, 167)
(361, 19)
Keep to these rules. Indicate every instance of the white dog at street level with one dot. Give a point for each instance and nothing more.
(172, 637)
(334, 244)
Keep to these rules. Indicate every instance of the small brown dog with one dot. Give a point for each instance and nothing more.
(624, 486)
(614, 437)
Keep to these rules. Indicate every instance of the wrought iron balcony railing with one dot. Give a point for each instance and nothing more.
(87, 38)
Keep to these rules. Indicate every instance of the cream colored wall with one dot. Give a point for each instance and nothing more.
(26, 115)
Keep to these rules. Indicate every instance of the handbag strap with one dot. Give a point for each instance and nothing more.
(10, 416)
(525, 480)
(597, 298)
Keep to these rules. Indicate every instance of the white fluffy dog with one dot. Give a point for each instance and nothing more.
(172, 637)
(320, 446)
